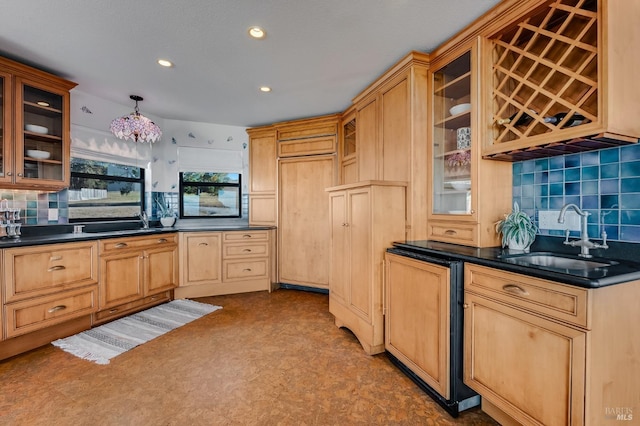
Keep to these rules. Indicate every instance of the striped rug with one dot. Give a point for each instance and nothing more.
(102, 343)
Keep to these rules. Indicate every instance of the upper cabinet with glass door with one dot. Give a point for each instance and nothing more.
(37, 154)
(467, 193)
(562, 79)
(452, 127)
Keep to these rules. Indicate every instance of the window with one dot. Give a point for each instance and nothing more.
(104, 191)
(209, 194)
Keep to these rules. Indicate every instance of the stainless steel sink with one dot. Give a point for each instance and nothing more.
(553, 261)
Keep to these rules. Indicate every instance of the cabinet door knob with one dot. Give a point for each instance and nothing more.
(20, 174)
(9, 174)
(465, 305)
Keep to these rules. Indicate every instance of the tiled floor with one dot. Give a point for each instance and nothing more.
(264, 359)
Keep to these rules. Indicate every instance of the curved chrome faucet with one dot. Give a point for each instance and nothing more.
(584, 243)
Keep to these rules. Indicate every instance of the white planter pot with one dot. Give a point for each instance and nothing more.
(515, 245)
(167, 221)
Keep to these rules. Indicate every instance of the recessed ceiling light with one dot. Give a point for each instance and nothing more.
(165, 63)
(265, 89)
(257, 32)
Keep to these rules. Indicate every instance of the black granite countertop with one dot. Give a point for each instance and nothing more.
(39, 235)
(626, 258)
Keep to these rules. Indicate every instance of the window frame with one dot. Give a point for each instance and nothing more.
(182, 184)
(140, 180)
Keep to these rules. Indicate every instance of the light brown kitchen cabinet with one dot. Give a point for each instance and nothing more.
(573, 57)
(48, 292)
(365, 219)
(467, 194)
(136, 272)
(541, 352)
(307, 164)
(214, 263)
(35, 134)
(392, 134)
(262, 176)
(417, 318)
(303, 233)
(48, 285)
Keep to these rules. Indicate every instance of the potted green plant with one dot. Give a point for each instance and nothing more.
(518, 229)
(165, 212)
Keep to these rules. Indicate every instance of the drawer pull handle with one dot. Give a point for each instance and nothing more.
(54, 258)
(57, 268)
(121, 245)
(515, 289)
(246, 270)
(203, 244)
(246, 236)
(162, 240)
(247, 250)
(113, 311)
(57, 308)
(450, 232)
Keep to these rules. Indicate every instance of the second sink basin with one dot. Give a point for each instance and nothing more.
(553, 261)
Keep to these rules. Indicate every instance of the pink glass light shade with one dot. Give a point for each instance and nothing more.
(135, 126)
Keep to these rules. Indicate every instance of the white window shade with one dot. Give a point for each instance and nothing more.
(93, 144)
(209, 160)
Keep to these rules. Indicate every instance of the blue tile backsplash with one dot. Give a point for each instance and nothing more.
(606, 183)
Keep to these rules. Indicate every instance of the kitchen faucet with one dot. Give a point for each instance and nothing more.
(145, 220)
(583, 242)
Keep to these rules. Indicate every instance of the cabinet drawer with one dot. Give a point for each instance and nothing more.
(457, 233)
(311, 146)
(563, 302)
(246, 236)
(234, 251)
(126, 243)
(33, 314)
(239, 270)
(40, 270)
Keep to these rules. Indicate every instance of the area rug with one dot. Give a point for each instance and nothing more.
(102, 343)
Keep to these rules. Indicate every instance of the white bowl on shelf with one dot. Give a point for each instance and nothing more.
(459, 109)
(37, 154)
(457, 212)
(460, 185)
(36, 129)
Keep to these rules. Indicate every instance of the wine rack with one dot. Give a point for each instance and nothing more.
(545, 68)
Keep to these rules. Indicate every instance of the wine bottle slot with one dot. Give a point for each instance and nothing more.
(524, 119)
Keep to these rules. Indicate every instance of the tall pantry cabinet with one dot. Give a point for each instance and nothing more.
(291, 164)
(366, 217)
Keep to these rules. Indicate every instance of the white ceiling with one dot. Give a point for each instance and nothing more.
(318, 54)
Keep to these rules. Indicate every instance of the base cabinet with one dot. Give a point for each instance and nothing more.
(365, 219)
(48, 291)
(543, 353)
(215, 263)
(136, 272)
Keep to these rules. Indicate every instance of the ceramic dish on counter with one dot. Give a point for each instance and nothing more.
(37, 154)
(36, 129)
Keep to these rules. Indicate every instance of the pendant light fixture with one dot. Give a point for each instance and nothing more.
(135, 126)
